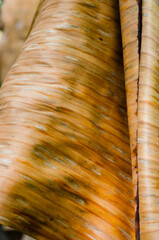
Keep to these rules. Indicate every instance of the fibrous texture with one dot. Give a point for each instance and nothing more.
(65, 164)
(130, 24)
(140, 36)
(148, 123)
(65, 159)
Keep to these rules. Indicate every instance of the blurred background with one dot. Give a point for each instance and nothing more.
(16, 17)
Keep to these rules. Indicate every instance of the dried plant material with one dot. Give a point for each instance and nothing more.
(130, 15)
(148, 123)
(140, 35)
(65, 165)
(65, 159)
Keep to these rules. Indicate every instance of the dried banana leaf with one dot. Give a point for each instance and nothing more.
(130, 15)
(140, 36)
(65, 165)
(148, 123)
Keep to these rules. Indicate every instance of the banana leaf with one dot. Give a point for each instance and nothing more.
(140, 36)
(66, 161)
(148, 123)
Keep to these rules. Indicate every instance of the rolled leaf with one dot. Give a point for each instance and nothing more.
(65, 165)
(130, 15)
(140, 37)
(148, 123)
